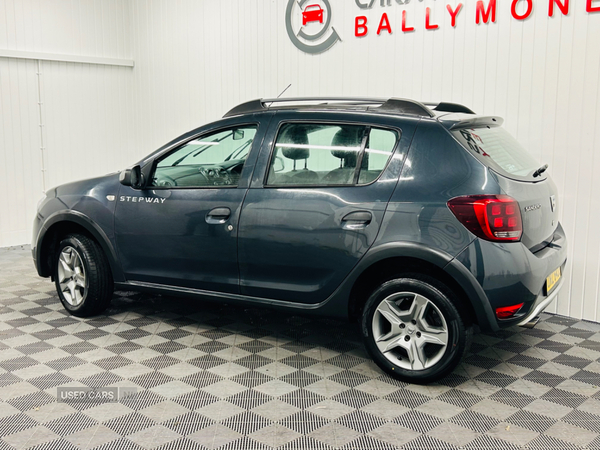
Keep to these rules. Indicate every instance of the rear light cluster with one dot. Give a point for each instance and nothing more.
(491, 217)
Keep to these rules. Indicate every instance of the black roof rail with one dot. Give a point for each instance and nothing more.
(263, 104)
(247, 107)
(450, 107)
(392, 105)
(403, 106)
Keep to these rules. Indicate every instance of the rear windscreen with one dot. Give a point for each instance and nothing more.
(499, 150)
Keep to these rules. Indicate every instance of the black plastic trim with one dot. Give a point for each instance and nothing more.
(390, 106)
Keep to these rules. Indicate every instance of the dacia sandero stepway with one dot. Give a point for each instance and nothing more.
(417, 220)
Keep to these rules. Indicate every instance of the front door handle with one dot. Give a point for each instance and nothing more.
(357, 219)
(218, 215)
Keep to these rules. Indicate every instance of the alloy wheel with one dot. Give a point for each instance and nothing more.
(410, 331)
(71, 276)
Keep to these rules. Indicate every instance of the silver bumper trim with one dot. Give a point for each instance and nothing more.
(542, 305)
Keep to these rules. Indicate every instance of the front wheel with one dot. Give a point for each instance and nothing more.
(413, 330)
(82, 276)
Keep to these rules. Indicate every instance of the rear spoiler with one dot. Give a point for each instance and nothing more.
(457, 121)
(449, 107)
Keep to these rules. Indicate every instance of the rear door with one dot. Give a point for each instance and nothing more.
(316, 202)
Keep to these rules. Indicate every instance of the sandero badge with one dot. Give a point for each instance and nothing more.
(300, 20)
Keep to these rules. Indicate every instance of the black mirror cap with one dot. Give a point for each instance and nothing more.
(132, 177)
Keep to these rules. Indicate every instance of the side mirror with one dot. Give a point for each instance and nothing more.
(238, 134)
(132, 177)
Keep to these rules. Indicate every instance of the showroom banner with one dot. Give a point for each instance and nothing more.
(536, 63)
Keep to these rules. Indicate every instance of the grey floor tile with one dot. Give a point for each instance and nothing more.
(208, 376)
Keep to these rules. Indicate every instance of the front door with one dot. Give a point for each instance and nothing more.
(181, 230)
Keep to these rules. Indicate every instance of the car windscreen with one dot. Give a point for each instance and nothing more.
(496, 148)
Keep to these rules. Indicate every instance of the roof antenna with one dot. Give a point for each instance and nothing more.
(270, 103)
(289, 85)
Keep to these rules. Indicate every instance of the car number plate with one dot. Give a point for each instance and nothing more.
(552, 280)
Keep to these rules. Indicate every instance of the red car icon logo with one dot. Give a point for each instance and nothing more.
(312, 13)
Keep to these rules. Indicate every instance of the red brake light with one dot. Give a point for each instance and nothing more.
(506, 312)
(491, 217)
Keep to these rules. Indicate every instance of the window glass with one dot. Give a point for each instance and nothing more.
(316, 154)
(380, 147)
(498, 149)
(212, 160)
(328, 154)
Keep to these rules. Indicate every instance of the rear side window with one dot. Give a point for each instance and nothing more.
(496, 148)
(329, 154)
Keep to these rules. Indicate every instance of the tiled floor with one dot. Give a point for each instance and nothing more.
(216, 376)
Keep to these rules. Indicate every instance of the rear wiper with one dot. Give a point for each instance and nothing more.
(540, 171)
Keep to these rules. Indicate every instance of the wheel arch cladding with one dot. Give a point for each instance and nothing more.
(393, 267)
(63, 224)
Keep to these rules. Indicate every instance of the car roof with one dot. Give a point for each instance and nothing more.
(450, 115)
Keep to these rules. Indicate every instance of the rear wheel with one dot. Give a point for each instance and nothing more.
(413, 330)
(82, 276)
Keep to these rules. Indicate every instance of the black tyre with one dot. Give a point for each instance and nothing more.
(82, 276)
(413, 330)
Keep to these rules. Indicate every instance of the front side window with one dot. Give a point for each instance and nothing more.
(329, 154)
(216, 159)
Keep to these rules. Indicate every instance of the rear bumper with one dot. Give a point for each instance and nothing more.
(541, 305)
(502, 274)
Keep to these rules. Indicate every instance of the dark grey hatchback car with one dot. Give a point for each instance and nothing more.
(418, 221)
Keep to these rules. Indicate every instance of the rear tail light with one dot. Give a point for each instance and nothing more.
(491, 217)
(506, 312)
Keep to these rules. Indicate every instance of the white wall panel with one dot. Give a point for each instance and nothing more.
(195, 59)
(20, 164)
(86, 108)
(79, 27)
(88, 120)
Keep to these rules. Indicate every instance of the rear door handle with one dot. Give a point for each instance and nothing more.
(218, 215)
(357, 219)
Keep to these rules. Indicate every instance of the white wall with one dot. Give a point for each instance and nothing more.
(196, 59)
(87, 113)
